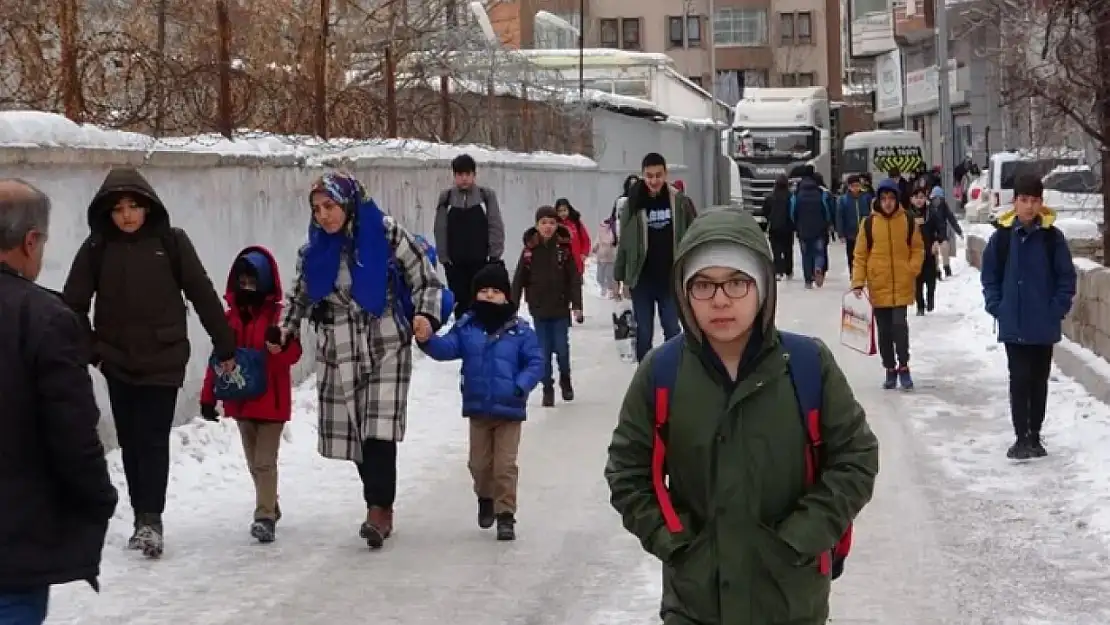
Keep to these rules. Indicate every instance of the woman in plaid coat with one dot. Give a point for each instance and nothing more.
(364, 341)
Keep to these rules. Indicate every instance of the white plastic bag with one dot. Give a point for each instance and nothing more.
(624, 330)
(857, 323)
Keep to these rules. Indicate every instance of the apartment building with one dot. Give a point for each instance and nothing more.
(758, 42)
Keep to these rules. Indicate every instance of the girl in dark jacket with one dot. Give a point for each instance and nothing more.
(780, 229)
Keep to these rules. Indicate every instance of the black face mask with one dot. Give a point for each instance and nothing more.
(248, 297)
(492, 316)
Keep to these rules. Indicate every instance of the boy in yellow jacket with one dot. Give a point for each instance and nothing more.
(887, 259)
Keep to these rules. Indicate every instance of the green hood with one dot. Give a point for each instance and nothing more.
(730, 226)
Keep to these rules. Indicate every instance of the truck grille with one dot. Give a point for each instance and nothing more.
(754, 191)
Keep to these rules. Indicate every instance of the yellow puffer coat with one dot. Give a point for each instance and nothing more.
(889, 269)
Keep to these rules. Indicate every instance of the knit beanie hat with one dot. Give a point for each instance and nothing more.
(546, 211)
(493, 276)
(731, 256)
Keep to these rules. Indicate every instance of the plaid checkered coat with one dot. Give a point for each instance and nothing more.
(364, 363)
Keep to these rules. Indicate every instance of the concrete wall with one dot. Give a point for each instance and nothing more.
(1087, 324)
(226, 203)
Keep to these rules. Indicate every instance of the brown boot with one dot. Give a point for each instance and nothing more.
(387, 522)
(376, 528)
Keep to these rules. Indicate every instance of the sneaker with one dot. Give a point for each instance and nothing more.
(930, 305)
(920, 312)
(264, 530)
(1036, 446)
(904, 379)
(1020, 450)
(891, 380)
(566, 388)
(485, 513)
(819, 277)
(809, 285)
(548, 396)
(506, 526)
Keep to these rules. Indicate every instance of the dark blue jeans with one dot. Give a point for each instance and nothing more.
(24, 608)
(645, 298)
(813, 257)
(554, 336)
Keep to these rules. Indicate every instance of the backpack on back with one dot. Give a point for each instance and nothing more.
(911, 225)
(445, 197)
(170, 245)
(804, 365)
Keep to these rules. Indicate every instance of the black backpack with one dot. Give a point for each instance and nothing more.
(170, 244)
(483, 195)
(911, 225)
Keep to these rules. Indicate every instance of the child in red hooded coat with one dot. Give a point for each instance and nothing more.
(254, 299)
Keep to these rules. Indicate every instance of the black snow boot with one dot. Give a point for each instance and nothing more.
(947, 271)
(485, 513)
(566, 387)
(264, 530)
(506, 526)
(1020, 450)
(1036, 446)
(548, 396)
(148, 536)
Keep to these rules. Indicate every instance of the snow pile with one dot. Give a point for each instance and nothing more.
(963, 410)
(30, 129)
(1078, 228)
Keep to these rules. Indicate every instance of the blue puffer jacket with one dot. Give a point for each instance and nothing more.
(498, 370)
(1032, 293)
(811, 210)
(850, 211)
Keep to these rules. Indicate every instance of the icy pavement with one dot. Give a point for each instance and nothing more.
(956, 535)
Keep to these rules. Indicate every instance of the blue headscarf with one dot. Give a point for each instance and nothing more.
(362, 238)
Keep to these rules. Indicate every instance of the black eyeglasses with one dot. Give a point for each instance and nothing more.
(736, 288)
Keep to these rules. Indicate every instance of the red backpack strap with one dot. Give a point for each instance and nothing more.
(804, 365)
(664, 374)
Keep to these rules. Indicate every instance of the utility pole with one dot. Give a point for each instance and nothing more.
(160, 90)
(582, 53)
(944, 105)
(712, 61)
(223, 27)
(320, 122)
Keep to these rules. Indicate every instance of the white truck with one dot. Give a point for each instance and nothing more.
(777, 131)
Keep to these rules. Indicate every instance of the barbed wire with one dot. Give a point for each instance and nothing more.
(393, 69)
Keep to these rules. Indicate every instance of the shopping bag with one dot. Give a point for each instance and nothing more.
(624, 331)
(247, 381)
(857, 323)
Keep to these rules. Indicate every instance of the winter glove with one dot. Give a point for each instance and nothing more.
(273, 335)
(209, 412)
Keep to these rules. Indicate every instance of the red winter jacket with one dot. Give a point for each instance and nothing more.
(277, 403)
(579, 243)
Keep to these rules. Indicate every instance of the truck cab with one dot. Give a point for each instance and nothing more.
(777, 132)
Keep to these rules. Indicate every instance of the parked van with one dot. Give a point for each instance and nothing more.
(1005, 167)
(878, 151)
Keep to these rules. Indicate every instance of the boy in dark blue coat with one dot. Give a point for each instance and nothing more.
(501, 363)
(852, 207)
(1028, 284)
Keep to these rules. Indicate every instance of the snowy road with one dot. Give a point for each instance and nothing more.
(956, 535)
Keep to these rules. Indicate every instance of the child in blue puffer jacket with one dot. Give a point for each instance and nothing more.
(501, 363)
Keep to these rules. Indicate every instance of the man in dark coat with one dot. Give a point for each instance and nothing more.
(138, 266)
(55, 491)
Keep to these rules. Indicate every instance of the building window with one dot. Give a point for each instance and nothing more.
(676, 32)
(684, 31)
(610, 33)
(798, 79)
(693, 30)
(804, 28)
(740, 27)
(630, 33)
(732, 82)
(786, 29)
(553, 35)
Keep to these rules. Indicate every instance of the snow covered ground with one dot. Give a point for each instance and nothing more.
(956, 535)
